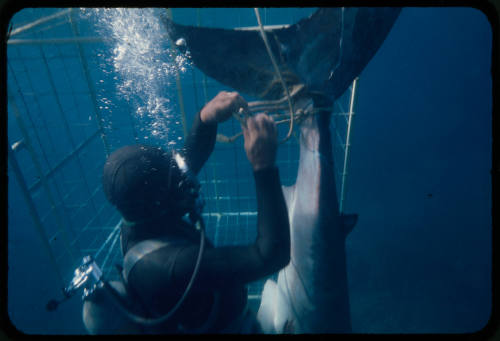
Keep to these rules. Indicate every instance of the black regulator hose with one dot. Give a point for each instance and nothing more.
(156, 321)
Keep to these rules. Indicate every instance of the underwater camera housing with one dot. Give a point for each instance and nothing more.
(106, 307)
(88, 275)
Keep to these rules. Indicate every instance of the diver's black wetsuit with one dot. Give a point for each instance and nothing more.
(160, 278)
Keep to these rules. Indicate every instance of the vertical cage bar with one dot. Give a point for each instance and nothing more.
(90, 85)
(205, 98)
(178, 81)
(352, 103)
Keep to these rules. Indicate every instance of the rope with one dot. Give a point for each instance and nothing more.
(276, 105)
(298, 117)
(276, 68)
(242, 115)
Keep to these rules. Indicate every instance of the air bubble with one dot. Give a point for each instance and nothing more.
(180, 42)
(140, 66)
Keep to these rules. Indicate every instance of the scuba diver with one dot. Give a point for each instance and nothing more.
(154, 194)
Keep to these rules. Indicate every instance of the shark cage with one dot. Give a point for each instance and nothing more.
(84, 82)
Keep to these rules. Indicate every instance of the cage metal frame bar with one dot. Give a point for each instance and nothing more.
(33, 212)
(90, 85)
(27, 142)
(347, 149)
(38, 22)
(70, 156)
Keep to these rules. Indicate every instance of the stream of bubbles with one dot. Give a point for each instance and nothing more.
(144, 67)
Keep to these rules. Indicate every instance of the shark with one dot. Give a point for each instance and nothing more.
(323, 54)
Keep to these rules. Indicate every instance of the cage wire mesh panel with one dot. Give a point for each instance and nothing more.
(66, 114)
(53, 133)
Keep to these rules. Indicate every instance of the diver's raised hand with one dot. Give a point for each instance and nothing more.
(261, 141)
(222, 106)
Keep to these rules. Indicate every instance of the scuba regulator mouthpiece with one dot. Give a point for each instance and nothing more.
(191, 201)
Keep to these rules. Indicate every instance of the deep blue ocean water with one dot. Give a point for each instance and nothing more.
(419, 259)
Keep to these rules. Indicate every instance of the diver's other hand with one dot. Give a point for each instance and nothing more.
(261, 141)
(222, 106)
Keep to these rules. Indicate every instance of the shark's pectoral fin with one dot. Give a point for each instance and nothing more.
(348, 222)
(289, 194)
(274, 313)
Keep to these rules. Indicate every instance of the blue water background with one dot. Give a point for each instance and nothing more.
(419, 259)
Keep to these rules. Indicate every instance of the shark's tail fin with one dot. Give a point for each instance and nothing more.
(325, 51)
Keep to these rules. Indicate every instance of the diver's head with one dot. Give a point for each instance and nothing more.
(146, 182)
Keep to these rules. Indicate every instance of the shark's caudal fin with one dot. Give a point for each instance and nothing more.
(325, 51)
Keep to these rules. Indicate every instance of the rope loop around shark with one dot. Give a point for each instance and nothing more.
(321, 56)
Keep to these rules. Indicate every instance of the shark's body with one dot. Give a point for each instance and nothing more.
(311, 295)
(324, 52)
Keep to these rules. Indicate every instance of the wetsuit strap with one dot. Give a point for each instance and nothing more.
(138, 251)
